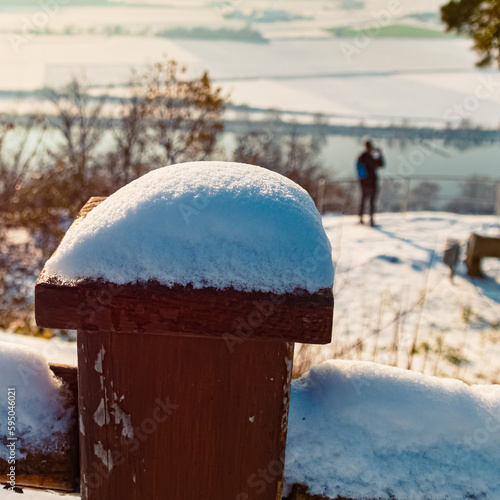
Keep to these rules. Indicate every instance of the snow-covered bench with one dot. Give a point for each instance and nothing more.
(479, 247)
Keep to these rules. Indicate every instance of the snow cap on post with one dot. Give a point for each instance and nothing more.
(205, 224)
(229, 228)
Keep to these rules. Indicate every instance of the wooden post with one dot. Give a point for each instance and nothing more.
(183, 393)
(320, 194)
(497, 204)
(406, 199)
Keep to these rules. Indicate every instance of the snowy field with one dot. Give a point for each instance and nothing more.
(394, 300)
(302, 68)
(395, 303)
(391, 291)
(381, 83)
(315, 14)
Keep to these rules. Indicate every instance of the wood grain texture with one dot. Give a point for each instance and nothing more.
(181, 310)
(57, 470)
(184, 311)
(87, 208)
(182, 418)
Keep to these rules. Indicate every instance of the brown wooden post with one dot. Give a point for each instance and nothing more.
(497, 200)
(183, 393)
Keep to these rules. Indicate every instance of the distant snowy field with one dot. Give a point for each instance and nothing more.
(380, 83)
(303, 68)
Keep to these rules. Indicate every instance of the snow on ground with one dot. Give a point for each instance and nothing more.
(362, 430)
(373, 83)
(436, 101)
(55, 60)
(269, 94)
(54, 350)
(375, 428)
(395, 303)
(209, 224)
(41, 410)
(307, 75)
(29, 494)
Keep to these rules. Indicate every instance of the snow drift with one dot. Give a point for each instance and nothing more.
(209, 224)
(367, 431)
(43, 408)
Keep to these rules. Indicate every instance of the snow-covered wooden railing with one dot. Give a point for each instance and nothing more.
(188, 289)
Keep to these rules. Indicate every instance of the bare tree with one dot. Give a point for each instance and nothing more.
(186, 116)
(282, 149)
(423, 196)
(78, 116)
(262, 146)
(302, 162)
(19, 147)
(478, 195)
(15, 162)
(128, 160)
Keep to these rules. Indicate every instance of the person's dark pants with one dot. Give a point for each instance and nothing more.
(368, 194)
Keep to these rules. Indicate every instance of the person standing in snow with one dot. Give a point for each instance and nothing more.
(370, 160)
